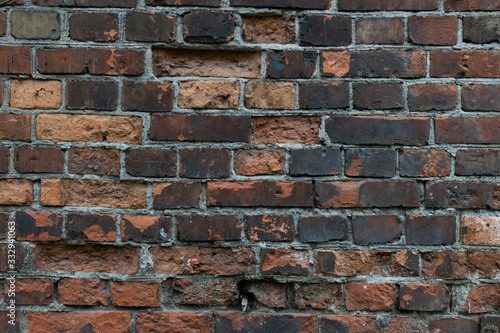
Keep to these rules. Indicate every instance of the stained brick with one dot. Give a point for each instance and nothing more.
(291, 64)
(147, 96)
(269, 29)
(238, 322)
(208, 228)
(362, 323)
(150, 27)
(267, 293)
(424, 163)
(465, 64)
(287, 129)
(52, 322)
(467, 130)
(15, 127)
(38, 226)
(480, 230)
(430, 230)
(176, 195)
(454, 324)
(3, 23)
(370, 162)
(91, 227)
(35, 25)
(461, 195)
(422, 30)
(315, 162)
(318, 229)
(460, 265)
(380, 31)
(35, 94)
(476, 299)
(490, 323)
(317, 95)
(481, 29)
(209, 95)
(284, 262)
(318, 296)
(208, 27)
(477, 162)
(93, 27)
(170, 321)
(31, 291)
(470, 5)
(432, 97)
(92, 95)
(423, 297)
(278, 228)
(87, 3)
(4, 159)
(148, 162)
(82, 292)
(259, 162)
(95, 161)
(482, 97)
(333, 30)
(38, 160)
(371, 5)
(146, 229)
(20, 258)
(218, 292)
(373, 96)
(376, 229)
(15, 60)
(205, 3)
(270, 95)
(313, 4)
(204, 163)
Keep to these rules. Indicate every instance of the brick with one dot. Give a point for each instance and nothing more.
(490, 323)
(53, 322)
(461, 195)
(255, 162)
(480, 97)
(270, 95)
(38, 160)
(170, 321)
(373, 64)
(214, 63)
(423, 297)
(376, 229)
(205, 3)
(370, 162)
(208, 228)
(267, 293)
(284, 262)
(371, 5)
(465, 64)
(15, 127)
(176, 195)
(3, 24)
(208, 27)
(135, 293)
(432, 97)
(424, 163)
(460, 265)
(380, 30)
(315, 162)
(370, 296)
(146, 229)
(481, 29)
(467, 130)
(476, 299)
(15, 60)
(94, 161)
(454, 324)
(319, 30)
(367, 194)
(291, 64)
(430, 230)
(5, 159)
(294, 129)
(318, 229)
(147, 96)
(16, 192)
(470, 5)
(93, 27)
(365, 324)
(148, 162)
(477, 162)
(192, 127)
(92, 95)
(411, 131)
(195, 260)
(314, 4)
(320, 296)
(269, 29)
(277, 228)
(31, 291)
(218, 292)
(422, 30)
(204, 163)
(88, 128)
(209, 94)
(4, 223)
(20, 258)
(480, 230)
(82, 292)
(90, 193)
(316, 95)
(238, 322)
(372, 96)
(35, 94)
(86, 258)
(91, 61)
(35, 25)
(38, 226)
(87, 3)
(259, 194)
(150, 27)
(91, 227)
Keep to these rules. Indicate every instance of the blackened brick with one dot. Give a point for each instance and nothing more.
(204, 163)
(291, 64)
(39, 160)
(4, 159)
(92, 95)
(467, 130)
(237, 322)
(371, 5)
(321, 30)
(462, 195)
(151, 162)
(3, 23)
(424, 163)
(316, 95)
(432, 97)
(208, 228)
(147, 96)
(146, 229)
(208, 27)
(315, 162)
(320, 229)
(312, 4)
(430, 230)
(376, 229)
(176, 195)
(481, 97)
(470, 5)
(465, 63)
(38, 226)
(477, 162)
(201, 291)
(423, 297)
(94, 27)
(87, 3)
(284, 262)
(383, 30)
(150, 27)
(95, 161)
(370, 162)
(206, 3)
(481, 29)
(422, 30)
(91, 227)
(278, 228)
(378, 96)
(490, 323)
(455, 325)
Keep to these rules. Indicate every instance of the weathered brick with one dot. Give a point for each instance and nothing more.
(489, 324)
(460, 265)
(371, 96)
(470, 5)
(477, 162)
(481, 29)
(148, 162)
(93, 27)
(92, 95)
(31, 291)
(146, 229)
(315, 162)
(3, 24)
(238, 322)
(4, 225)
(467, 130)
(371, 5)
(370, 296)
(91, 227)
(255, 162)
(53, 322)
(204, 163)
(94, 161)
(430, 230)
(192, 127)
(267, 293)
(16, 192)
(454, 324)
(376, 229)
(176, 195)
(38, 226)
(465, 63)
(476, 299)
(35, 25)
(278, 228)
(82, 292)
(219, 292)
(313, 4)
(370, 162)
(318, 229)
(205, 3)
(481, 97)
(291, 64)
(316, 95)
(5, 159)
(15, 127)
(432, 97)
(422, 30)
(424, 163)
(284, 262)
(208, 27)
(383, 30)
(480, 230)
(147, 96)
(461, 195)
(150, 27)
(170, 321)
(319, 30)
(270, 95)
(135, 293)
(38, 160)
(87, 3)
(294, 129)
(209, 94)
(259, 194)
(367, 194)
(20, 258)
(269, 29)
(15, 60)
(365, 324)
(35, 94)
(208, 228)
(317, 296)
(421, 297)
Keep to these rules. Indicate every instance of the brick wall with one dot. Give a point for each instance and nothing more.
(200, 166)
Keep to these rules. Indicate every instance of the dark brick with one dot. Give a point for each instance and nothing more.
(91, 227)
(20, 260)
(151, 163)
(150, 27)
(422, 30)
(259, 194)
(176, 195)
(92, 95)
(8, 327)
(481, 29)
(147, 96)
(465, 63)
(205, 3)
(380, 30)
(312, 4)
(458, 265)
(146, 229)
(200, 128)
(201, 228)
(95, 161)
(413, 131)
(376, 229)
(204, 163)
(467, 130)
(284, 262)
(31, 291)
(373, 96)
(424, 163)
(35, 25)
(461, 195)
(4, 225)
(370, 162)
(432, 97)
(367, 194)
(15, 60)
(237, 322)
(430, 230)
(317, 296)
(4, 159)
(477, 162)
(94, 27)
(490, 324)
(277, 228)
(363, 323)
(15, 127)
(481, 97)
(267, 293)
(3, 23)
(38, 226)
(38, 160)
(318, 229)
(208, 27)
(87, 3)
(371, 5)
(316, 95)
(423, 297)
(319, 30)
(291, 64)
(454, 325)
(470, 5)
(315, 162)
(220, 292)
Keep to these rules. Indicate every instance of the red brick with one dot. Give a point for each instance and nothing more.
(20, 259)
(287, 129)
(38, 226)
(317, 229)
(315, 162)
(5, 159)
(291, 64)
(176, 195)
(3, 23)
(432, 97)
(465, 64)
(92, 95)
(91, 227)
(208, 27)
(312, 4)
(481, 97)
(146, 229)
(15, 127)
(259, 162)
(370, 324)
(188, 322)
(204, 163)
(467, 130)
(270, 95)
(376, 229)
(470, 5)
(54, 322)
(370, 296)
(461, 195)
(38, 160)
(15, 60)
(269, 29)
(317, 95)
(430, 230)
(284, 262)
(147, 162)
(87, 3)
(208, 228)
(205, 3)
(94, 161)
(320, 296)
(237, 322)
(30, 291)
(476, 299)
(267, 293)
(150, 27)
(93, 27)
(4, 223)
(82, 292)
(278, 228)
(135, 293)
(218, 292)
(454, 324)
(481, 29)
(461, 265)
(424, 163)
(421, 297)
(372, 96)
(480, 230)
(422, 30)
(370, 162)
(477, 162)
(147, 96)
(332, 30)
(16, 192)
(371, 5)
(383, 30)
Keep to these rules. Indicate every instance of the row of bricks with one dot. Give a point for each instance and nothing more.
(366, 229)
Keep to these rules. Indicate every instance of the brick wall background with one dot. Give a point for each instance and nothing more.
(199, 166)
